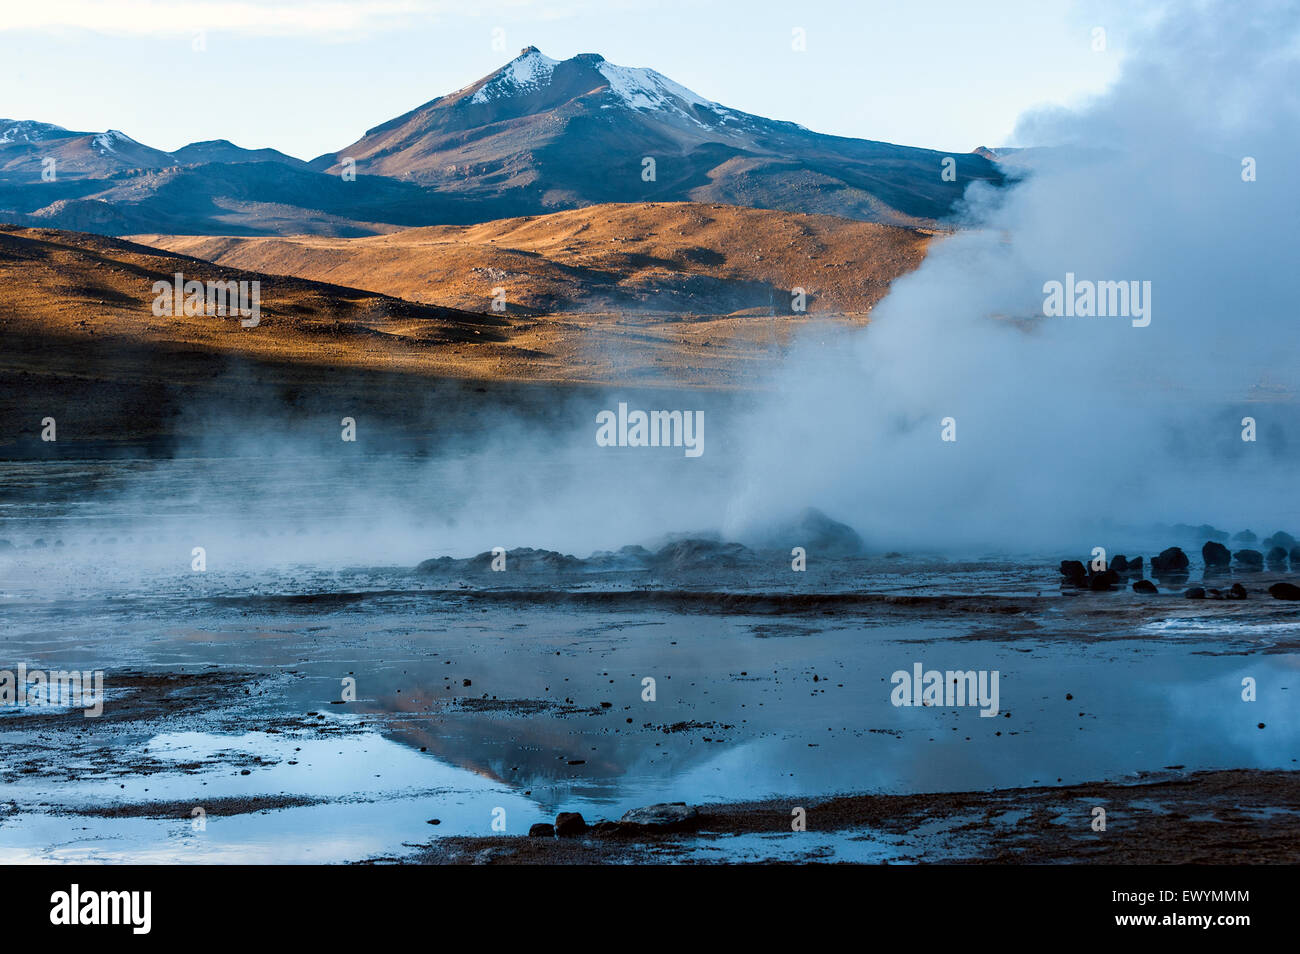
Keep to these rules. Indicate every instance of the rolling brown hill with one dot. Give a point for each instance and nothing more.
(83, 345)
(679, 258)
(72, 283)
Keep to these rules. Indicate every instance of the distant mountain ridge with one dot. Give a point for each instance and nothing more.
(25, 144)
(537, 135)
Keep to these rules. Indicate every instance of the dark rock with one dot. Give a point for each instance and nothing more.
(444, 563)
(670, 816)
(1144, 586)
(701, 554)
(519, 560)
(1171, 560)
(630, 557)
(819, 533)
(1249, 559)
(1295, 556)
(1216, 554)
(542, 830)
(1237, 592)
(1245, 537)
(1213, 594)
(1104, 580)
(529, 560)
(568, 824)
(1281, 539)
(1284, 591)
(1135, 565)
(1119, 563)
(1074, 571)
(1275, 556)
(1195, 593)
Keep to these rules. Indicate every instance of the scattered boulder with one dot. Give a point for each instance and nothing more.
(519, 560)
(1171, 560)
(1144, 586)
(568, 824)
(1237, 592)
(1295, 557)
(701, 554)
(630, 557)
(1216, 554)
(1249, 559)
(1074, 571)
(667, 816)
(1195, 593)
(1275, 556)
(1245, 537)
(542, 830)
(819, 533)
(1119, 563)
(1135, 565)
(1284, 591)
(1281, 539)
(529, 560)
(1104, 580)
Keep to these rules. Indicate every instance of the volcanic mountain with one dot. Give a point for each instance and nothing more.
(556, 134)
(538, 135)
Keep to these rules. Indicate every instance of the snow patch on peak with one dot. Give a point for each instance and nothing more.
(105, 140)
(25, 130)
(526, 73)
(646, 89)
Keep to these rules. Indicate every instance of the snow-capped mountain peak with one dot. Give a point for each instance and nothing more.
(27, 130)
(107, 141)
(526, 73)
(640, 89)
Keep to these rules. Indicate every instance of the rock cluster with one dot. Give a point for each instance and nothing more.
(1172, 564)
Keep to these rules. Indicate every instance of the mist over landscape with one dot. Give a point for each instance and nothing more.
(577, 469)
(1067, 425)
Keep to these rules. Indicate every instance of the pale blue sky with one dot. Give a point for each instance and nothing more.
(310, 76)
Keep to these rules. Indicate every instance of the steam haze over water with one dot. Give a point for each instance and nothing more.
(1067, 424)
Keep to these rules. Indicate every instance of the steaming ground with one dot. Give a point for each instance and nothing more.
(1064, 423)
(522, 690)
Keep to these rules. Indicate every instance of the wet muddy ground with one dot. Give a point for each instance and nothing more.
(317, 711)
(480, 708)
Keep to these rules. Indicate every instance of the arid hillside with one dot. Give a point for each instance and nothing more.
(673, 295)
(71, 283)
(663, 257)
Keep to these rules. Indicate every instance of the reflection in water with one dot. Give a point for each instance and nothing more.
(534, 705)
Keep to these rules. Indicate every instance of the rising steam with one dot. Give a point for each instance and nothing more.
(1065, 425)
